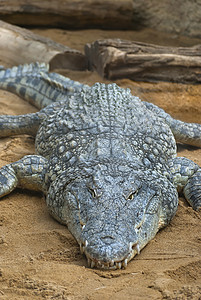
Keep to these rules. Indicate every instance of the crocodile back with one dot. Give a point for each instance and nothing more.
(105, 122)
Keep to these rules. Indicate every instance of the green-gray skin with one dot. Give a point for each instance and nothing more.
(106, 161)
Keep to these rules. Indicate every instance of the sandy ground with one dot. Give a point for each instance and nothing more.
(39, 257)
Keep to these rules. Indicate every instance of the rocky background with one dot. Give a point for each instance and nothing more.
(178, 17)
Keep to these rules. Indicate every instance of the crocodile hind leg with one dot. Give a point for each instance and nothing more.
(29, 172)
(186, 174)
(187, 179)
(187, 133)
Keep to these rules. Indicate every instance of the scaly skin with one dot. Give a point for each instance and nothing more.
(106, 162)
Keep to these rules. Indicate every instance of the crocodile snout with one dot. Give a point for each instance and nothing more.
(108, 252)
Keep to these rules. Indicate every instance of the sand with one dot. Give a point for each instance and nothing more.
(39, 257)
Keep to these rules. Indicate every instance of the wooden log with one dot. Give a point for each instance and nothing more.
(115, 58)
(111, 14)
(19, 46)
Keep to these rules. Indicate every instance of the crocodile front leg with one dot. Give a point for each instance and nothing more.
(22, 124)
(28, 172)
(187, 179)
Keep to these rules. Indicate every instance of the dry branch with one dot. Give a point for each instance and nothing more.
(19, 46)
(114, 58)
(68, 13)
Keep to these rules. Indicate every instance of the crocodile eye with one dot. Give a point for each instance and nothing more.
(92, 192)
(131, 196)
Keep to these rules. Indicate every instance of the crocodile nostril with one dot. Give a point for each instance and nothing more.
(108, 239)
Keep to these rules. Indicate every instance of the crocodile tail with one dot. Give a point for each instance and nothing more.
(24, 81)
(62, 83)
(33, 83)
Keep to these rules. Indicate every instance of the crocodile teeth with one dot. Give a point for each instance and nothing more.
(133, 246)
(112, 263)
(130, 247)
(124, 263)
(118, 265)
(81, 248)
(92, 264)
(137, 248)
(86, 243)
(98, 264)
(107, 266)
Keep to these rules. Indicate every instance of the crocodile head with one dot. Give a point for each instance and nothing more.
(113, 216)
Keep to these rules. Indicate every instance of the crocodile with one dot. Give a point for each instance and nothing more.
(105, 160)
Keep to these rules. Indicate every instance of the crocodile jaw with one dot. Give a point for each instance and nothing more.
(112, 264)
